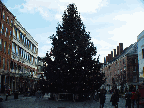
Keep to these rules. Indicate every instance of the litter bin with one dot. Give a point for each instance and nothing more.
(16, 95)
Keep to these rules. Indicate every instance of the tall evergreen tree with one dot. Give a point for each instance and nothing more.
(70, 67)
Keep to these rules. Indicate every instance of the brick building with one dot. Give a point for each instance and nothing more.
(121, 68)
(140, 40)
(18, 54)
(6, 24)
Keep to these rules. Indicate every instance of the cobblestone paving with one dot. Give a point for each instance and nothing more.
(45, 103)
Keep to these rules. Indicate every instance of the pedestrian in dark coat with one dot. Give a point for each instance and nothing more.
(128, 96)
(102, 98)
(137, 97)
(115, 98)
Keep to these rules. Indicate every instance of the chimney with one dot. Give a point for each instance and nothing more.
(111, 55)
(104, 60)
(120, 48)
(114, 52)
(117, 50)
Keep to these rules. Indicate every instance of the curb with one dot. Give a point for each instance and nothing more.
(16, 99)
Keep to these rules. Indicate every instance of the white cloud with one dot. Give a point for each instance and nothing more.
(44, 7)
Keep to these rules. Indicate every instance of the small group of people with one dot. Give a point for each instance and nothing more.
(132, 98)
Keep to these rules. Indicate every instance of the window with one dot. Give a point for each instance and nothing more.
(2, 30)
(16, 50)
(14, 32)
(8, 20)
(9, 49)
(3, 63)
(24, 39)
(10, 35)
(134, 78)
(4, 47)
(0, 61)
(13, 47)
(142, 53)
(31, 46)
(8, 64)
(28, 43)
(34, 50)
(135, 60)
(11, 23)
(32, 60)
(18, 34)
(21, 52)
(6, 33)
(134, 68)
(0, 44)
(3, 15)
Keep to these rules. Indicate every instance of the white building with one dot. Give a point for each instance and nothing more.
(140, 40)
(23, 57)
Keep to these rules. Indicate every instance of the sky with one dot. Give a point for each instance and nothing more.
(109, 22)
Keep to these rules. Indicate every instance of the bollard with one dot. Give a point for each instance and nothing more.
(6, 97)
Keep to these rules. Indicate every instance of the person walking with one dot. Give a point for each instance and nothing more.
(115, 98)
(128, 96)
(133, 98)
(137, 97)
(102, 98)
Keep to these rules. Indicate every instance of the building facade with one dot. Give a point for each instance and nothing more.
(121, 68)
(140, 40)
(6, 26)
(18, 54)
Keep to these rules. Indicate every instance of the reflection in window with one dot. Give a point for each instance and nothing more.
(16, 50)
(13, 47)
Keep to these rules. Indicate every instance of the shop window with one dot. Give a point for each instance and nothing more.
(142, 53)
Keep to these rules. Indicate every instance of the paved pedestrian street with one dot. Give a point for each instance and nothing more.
(45, 103)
